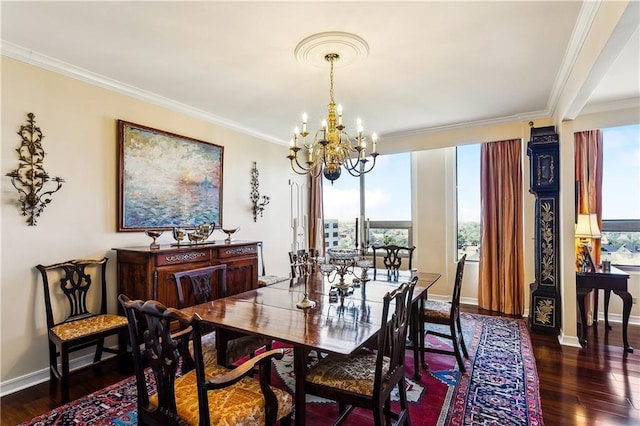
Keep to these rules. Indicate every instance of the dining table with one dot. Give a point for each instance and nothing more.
(336, 324)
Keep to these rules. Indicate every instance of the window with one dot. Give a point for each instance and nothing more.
(468, 201)
(387, 201)
(620, 195)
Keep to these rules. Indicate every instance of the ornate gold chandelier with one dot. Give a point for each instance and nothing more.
(331, 147)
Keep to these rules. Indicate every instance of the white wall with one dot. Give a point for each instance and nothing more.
(79, 124)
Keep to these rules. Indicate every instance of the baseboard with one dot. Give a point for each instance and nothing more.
(35, 378)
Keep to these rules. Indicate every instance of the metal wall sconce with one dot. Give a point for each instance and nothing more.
(30, 177)
(258, 206)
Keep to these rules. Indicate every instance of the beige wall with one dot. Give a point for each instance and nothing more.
(79, 124)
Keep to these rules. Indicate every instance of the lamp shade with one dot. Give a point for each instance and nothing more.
(587, 226)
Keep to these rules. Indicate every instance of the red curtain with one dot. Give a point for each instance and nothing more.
(501, 267)
(588, 172)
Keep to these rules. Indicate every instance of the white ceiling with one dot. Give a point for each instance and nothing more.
(430, 65)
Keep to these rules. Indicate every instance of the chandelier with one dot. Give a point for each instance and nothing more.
(331, 147)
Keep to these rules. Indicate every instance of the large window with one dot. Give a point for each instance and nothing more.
(621, 195)
(386, 200)
(468, 200)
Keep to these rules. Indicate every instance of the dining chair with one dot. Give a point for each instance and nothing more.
(367, 378)
(392, 259)
(203, 285)
(198, 394)
(445, 313)
(301, 262)
(264, 279)
(67, 294)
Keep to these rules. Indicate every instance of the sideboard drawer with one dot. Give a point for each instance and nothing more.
(248, 250)
(180, 257)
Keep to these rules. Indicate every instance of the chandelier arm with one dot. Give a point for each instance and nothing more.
(357, 173)
(303, 172)
(297, 163)
(350, 165)
(373, 164)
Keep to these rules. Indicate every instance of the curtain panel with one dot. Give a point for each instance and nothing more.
(316, 211)
(588, 173)
(501, 267)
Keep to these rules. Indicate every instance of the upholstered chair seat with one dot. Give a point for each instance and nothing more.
(239, 404)
(436, 310)
(88, 326)
(267, 280)
(354, 374)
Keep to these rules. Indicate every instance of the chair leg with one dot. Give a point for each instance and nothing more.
(124, 360)
(378, 415)
(404, 405)
(99, 348)
(423, 340)
(456, 348)
(464, 347)
(54, 374)
(64, 378)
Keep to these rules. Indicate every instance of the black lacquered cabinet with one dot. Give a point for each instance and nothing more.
(543, 152)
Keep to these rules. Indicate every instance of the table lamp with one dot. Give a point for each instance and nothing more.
(586, 229)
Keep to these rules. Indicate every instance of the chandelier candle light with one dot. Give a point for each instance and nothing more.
(331, 147)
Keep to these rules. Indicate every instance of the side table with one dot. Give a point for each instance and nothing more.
(616, 281)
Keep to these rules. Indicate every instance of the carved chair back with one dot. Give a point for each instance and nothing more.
(202, 284)
(392, 258)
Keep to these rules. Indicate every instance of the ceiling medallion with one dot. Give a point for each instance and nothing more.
(314, 49)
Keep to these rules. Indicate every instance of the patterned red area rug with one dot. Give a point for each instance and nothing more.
(499, 388)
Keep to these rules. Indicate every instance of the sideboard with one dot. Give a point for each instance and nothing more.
(146, 273)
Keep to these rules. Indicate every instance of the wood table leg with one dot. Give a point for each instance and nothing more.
(222, 338)
(607, 297)
(300, 371)
(581, 295)
(627, 301)
(417, 327)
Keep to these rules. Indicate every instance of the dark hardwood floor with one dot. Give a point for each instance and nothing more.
(598, 385)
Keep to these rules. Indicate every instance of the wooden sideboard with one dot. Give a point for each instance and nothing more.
(145, 273)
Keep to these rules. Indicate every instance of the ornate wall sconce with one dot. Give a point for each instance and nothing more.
(30, 177)
(258, 206)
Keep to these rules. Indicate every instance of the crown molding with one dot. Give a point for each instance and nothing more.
(607, 106)
(587, 14)
(527, 116)
(31, 57)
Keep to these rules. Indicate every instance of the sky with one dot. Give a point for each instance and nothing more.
(388, 185)
(621, 173)
(387, 191)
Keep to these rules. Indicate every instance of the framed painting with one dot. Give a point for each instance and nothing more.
(166, 180)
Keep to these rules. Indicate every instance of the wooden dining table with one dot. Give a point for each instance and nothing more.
(335, 325)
